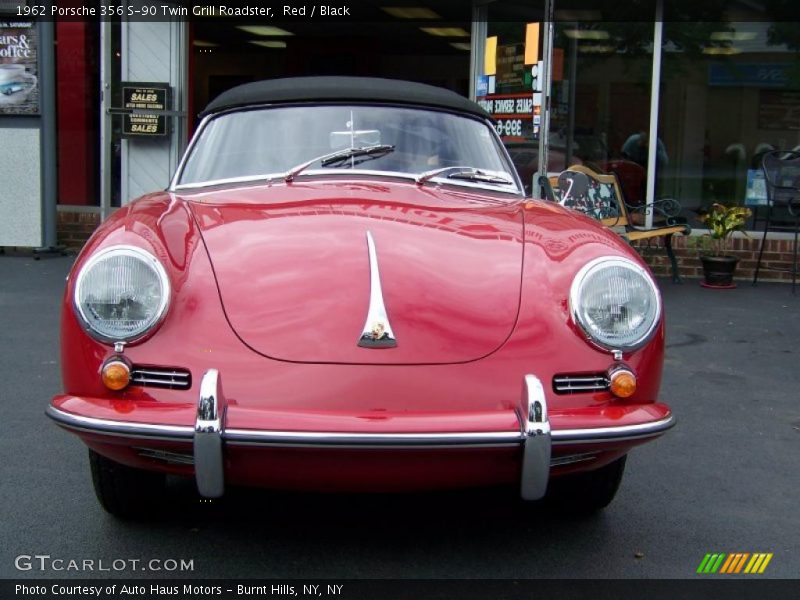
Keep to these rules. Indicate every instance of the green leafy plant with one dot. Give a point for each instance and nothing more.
(721, 221)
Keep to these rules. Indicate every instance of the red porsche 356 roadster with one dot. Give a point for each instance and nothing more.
(344, 288)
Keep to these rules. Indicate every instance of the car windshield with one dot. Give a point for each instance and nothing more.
(299, 140)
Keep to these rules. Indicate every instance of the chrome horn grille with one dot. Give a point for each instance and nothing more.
(161, 377)
(580, 383)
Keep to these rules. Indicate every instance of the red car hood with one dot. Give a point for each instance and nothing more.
(294, 276)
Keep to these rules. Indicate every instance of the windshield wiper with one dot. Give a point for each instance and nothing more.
(466, 173)
(366, 152)
(340, 156)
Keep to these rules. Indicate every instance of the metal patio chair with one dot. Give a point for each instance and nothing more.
(782, 176)
(600, 196)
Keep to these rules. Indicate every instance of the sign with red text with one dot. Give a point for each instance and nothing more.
(514, 115)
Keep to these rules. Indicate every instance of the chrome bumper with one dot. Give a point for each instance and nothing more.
(536, 440)
(209, 435)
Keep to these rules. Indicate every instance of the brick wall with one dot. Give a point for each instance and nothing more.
(777, 253)
(74, 228)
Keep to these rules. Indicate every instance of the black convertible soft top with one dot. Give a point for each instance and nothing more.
(305, 89)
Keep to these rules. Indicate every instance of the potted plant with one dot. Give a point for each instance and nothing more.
(721, 221)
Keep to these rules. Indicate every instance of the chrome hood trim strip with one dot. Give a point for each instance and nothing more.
(377, 332)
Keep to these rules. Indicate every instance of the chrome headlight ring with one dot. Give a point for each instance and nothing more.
(130, 280)
(615, 303)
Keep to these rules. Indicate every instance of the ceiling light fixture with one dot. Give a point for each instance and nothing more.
(268, 43)
(264, 30)
(586, 34)
(732, 36)
(596, 49)
(410, 12)
(716, 50)
(446, 31)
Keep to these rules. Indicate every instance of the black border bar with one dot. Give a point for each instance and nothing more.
(365, 11)
(709, 587)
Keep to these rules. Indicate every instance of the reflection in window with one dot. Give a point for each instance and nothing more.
(271, 141)
(730, 92)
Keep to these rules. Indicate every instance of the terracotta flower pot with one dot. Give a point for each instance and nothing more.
(719, 270)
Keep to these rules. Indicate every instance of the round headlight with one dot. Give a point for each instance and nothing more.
(616, 303)
(121, 293)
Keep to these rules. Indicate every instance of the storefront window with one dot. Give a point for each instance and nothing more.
(602, 73)
(398, 44)
(509, 84)
(730, 90)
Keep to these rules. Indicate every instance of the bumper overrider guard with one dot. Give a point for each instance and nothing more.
(209, 436)
(209, 471)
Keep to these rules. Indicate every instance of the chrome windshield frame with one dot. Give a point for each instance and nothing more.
(174, 186)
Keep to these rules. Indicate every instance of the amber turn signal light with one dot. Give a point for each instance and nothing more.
(116, 375)
(622, 383)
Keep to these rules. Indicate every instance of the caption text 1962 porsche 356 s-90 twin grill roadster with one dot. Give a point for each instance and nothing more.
(345, 289)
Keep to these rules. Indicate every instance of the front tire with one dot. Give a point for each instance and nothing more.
(123, 491)
(589, 492)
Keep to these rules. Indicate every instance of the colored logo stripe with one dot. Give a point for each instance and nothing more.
(758, 563)
(734, 563)
(710, 563)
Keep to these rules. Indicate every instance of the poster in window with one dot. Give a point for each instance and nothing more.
(779, 110)
(511, 67)
(756, 191)
(19, 83)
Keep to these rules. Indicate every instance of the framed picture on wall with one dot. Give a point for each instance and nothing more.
(19, 83)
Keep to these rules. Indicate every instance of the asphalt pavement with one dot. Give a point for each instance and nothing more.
(725, 479)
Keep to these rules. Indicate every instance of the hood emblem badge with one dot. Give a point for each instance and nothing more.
(377, 332)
